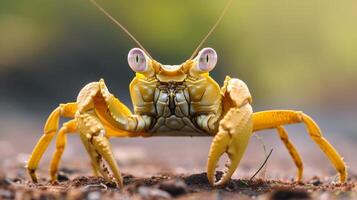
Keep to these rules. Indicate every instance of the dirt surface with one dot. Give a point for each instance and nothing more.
(164, 168)
(172, 186)
(166, 186)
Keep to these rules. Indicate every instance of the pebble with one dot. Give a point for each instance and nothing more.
(94, 196)
(316, 182)
(150, 193)
(285, 194)
(5, 194)
(174, 187)
(62, 176)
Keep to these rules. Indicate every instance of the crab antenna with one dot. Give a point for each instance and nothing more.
(120, 25)
(212, 29)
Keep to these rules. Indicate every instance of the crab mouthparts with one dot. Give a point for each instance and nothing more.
(171, 68)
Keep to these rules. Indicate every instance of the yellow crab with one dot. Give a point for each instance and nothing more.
(172, 100)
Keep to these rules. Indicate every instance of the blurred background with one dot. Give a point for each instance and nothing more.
(292, 54)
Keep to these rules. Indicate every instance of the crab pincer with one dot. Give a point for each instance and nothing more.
(234, 130)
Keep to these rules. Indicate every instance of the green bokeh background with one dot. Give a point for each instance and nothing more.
(292, 54)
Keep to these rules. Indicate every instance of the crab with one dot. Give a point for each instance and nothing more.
(172, 100)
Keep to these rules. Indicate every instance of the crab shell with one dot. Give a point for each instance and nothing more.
(172, 100)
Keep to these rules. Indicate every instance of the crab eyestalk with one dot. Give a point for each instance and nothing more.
(141, 63)
(204, 62)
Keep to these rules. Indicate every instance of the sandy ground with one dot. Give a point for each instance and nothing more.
(161, 168)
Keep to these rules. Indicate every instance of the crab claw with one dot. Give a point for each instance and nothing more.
(234, 131)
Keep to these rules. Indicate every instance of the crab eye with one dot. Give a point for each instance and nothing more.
(137, 60)
(207, 59)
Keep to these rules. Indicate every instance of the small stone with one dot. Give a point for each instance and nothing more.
(61, 176)
(174, 187)
(6, 182)
(285, 194)
(316, 181)
(152, 193)
(196, 179)
(67, 170)
(17, 180)
(94, 196)
(5, 194)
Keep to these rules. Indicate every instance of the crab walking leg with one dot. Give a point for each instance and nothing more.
(233, 135)
(50, 129)
(275, 118)
(68, 127)
(292, 151)
(97, 144)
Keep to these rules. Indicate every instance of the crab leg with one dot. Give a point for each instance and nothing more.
(68, 127)
(275, 118)
(292, 151)
(50, 129)
(234, 131)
